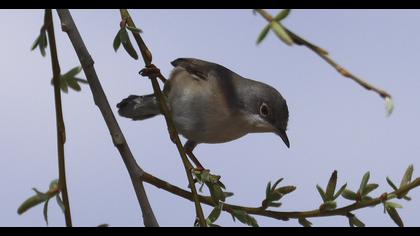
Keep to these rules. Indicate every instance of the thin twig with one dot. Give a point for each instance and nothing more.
(101, 101)
(147, 57)
(61, 132)
(324, 55)
(280, 215)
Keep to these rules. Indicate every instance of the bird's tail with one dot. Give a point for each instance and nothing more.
(139, 107)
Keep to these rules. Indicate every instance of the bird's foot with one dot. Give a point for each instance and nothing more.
(152, 71)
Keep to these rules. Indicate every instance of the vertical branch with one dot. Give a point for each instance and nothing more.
(61, 133)
(147, 57)
(134, 170)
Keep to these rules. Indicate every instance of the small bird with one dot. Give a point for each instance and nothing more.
(212, 104)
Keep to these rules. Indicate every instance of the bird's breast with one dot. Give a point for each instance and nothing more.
(200, 112)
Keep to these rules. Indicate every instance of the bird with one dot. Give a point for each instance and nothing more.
(212, 104)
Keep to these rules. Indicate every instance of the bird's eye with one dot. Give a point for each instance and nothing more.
(264, 110)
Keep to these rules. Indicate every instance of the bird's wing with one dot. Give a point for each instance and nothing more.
(226, 80)
(199, 68)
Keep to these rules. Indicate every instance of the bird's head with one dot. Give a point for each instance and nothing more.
(267, 109)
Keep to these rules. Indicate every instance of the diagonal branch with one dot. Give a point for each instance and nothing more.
(101, 101)
(281, 215)
(147, 57)
(324, 55)
(61, 132)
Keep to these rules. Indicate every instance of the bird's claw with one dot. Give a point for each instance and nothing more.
(150, 71)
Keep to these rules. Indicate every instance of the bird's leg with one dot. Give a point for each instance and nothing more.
(189, 147)
(152, 71)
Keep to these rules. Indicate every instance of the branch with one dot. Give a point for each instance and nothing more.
(324, 55)
(101, 101)
(281, 215)
(61, 133)
(147, 57)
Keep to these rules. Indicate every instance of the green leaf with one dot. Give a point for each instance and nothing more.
(392, 212)
(216, 193)
(407, 198)
(83, 81)
(73, 72)
(40, 194)
(369, 188)
(117, 41)
(274, 204)
(354, 221)
(43, 53)
(281, 33)
(44, 36)
(332, 183)
(348, 194)
(268, 189)
(281, 15)
(214, 179)
(263, 33)
(215, 213)
(123, 34)
(227, 194)
(393, 205)
(407, 176)
(366, 198)
(364, 182)
(304, 222)
(285, 189)
(389, 106)
(42, 43)
(134, 29)
(125, 40)
(32, 201)
(29, 203)
(322, 193)
(327, 206)
(338, 193)
(72, 83)
(63, 85)
(275, 184)
(218, 182)
(45, 211)
(203, 176)
(36, 43)
(275, 196)
(391, 184)
(244, 217)
(53, 184)
(60, 202)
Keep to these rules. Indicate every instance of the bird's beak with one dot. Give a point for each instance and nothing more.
(284, 137)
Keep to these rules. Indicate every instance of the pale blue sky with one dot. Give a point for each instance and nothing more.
(334, 123)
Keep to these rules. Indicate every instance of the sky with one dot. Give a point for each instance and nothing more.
(334, 123)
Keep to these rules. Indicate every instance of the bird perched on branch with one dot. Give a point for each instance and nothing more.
(212, 104)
